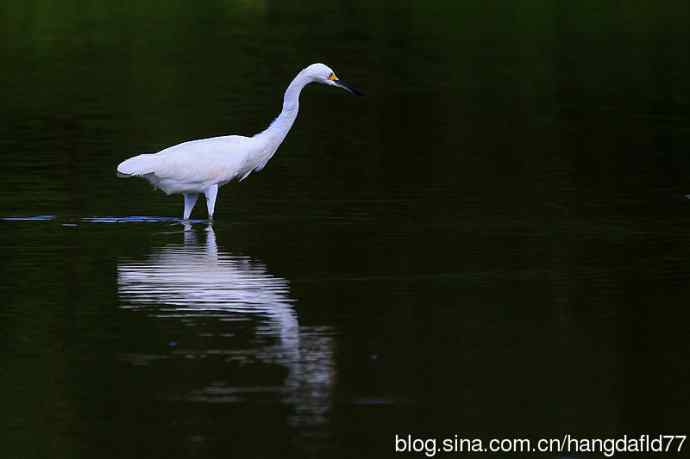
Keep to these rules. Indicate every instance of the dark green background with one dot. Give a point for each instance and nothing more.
(494, 241)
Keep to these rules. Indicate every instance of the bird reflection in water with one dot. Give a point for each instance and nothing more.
(198, 285)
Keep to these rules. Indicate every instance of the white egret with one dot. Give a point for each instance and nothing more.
(202, 166)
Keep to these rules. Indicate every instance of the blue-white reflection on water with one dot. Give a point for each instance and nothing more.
(29, 218)
(105, 219)
(138, 219)
(201, 286)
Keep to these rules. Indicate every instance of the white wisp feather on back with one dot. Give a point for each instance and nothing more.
(137, 165)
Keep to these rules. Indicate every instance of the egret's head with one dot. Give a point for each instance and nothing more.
(321, 73)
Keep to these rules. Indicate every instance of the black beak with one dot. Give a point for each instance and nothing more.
(348, 88)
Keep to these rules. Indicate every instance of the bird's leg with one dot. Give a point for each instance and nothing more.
(189, 201)
(211, 194)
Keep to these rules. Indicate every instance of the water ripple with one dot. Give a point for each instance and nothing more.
(32, 218)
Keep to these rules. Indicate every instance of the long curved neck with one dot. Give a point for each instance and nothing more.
(279, 128)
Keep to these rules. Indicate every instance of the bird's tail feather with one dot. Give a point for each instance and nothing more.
(137, 165)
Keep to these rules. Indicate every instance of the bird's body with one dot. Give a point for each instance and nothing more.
(202, 166)
(194, 166)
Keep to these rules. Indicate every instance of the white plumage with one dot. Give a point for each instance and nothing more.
(202, 166)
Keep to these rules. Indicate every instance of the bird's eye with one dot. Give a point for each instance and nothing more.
(332, 77)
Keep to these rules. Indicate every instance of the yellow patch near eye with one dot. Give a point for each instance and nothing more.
(332, 77)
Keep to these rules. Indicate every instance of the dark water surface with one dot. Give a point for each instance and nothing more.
(494, 242)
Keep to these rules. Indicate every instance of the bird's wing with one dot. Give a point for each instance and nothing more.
(216, 159)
